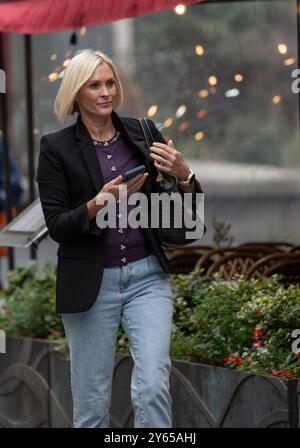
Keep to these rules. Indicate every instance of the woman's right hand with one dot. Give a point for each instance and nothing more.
(133, 185)
(112, 187)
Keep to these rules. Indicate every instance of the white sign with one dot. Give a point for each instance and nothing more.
(296, 84)
(296, 343)
(2, 81)
(2, 341)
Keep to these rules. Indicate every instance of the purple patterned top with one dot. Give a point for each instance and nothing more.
(124, 245)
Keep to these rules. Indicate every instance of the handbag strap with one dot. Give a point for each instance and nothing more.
(148, 137)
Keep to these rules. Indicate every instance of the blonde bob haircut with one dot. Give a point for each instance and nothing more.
(79, 70)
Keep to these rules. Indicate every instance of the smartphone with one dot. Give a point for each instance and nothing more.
(133, 172)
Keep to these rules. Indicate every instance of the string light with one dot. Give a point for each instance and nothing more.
(180, 10)
(52, 77)
(168, 122)
(199, 136)
(212, 80)
(82, 31)
(289, 61)
(282, 48)
(203, 93)
(59, 70)
(181, 111)
(152, 110)
(238, 77)
(199, 50)
(36, 131)
(276, 99)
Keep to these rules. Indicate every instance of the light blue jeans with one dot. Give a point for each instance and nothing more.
(139, 296)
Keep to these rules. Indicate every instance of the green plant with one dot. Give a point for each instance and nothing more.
(29, 303)
(243, 324)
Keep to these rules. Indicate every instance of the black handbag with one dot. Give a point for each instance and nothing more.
(172, 235)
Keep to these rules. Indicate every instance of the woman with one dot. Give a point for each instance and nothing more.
(107, 275)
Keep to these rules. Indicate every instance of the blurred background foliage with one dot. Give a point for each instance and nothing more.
(236, 38)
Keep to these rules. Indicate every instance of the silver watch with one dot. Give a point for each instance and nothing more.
(189, 179)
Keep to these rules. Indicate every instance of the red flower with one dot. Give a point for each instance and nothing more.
(226, 360)
(257, 333)
(276, 372)
(238, 359)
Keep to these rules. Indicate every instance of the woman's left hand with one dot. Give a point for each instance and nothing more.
(173, 162)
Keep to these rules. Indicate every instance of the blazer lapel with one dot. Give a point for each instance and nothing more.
(89, 155)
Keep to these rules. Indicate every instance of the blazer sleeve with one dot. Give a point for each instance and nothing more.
(64, 224)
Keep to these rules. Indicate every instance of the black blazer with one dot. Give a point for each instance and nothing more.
(68, 176)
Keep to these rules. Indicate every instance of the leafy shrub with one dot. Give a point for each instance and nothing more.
(242, 324)
(29, 303)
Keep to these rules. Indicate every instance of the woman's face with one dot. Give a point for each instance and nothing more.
(96, 97)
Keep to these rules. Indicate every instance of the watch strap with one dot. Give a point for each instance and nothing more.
(189, 179)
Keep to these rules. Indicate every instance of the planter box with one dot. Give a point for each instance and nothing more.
(35, 392)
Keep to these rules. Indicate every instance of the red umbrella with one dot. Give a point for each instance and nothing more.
(43, 16)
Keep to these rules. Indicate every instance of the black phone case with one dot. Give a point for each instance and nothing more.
(132, 173)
